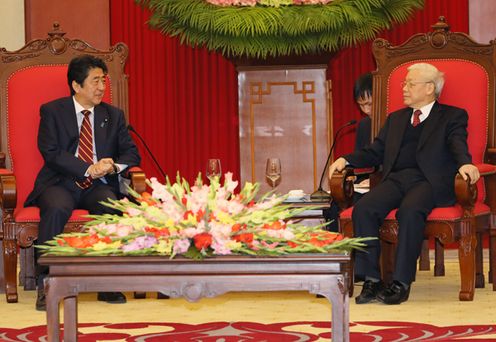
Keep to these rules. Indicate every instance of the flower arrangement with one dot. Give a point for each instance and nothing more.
(199, 221)
(273, 3)
(263, 28)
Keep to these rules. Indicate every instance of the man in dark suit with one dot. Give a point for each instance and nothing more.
(420, 148)
(85, 146)
(362, 94)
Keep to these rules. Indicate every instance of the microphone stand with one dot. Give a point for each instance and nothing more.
(131, 128)
(320, 195)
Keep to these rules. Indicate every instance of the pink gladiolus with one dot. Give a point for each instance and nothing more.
(181, 246)
(270, 245)
(220, 248)
(133, 211)
(141, 242)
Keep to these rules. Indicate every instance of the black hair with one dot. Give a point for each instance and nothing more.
(363, 86)
(80, 67)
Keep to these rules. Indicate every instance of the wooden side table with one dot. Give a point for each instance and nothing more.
(326, 274)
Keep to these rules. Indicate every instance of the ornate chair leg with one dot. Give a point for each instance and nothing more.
(10, 265)
(2, 278)
(424, 262)
(466, 257)
(439, 270)
(479, 267)
(492, 257)
(22, 267)
(29, 276)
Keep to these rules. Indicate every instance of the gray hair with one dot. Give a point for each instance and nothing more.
(431, 73)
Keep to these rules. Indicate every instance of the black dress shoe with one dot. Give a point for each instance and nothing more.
(370, 290)
(396, 293)
(111, 297)
(41, 300)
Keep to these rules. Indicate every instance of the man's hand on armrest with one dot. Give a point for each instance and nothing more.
(470, 171)
(338, 165)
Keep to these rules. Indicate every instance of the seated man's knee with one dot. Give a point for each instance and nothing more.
(409, 213)
(359, 209)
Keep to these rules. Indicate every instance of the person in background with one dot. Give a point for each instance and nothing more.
(85, 146)
(421, 148)
(362, 94)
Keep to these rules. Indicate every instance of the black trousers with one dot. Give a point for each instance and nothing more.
(409, 191)
(56, 204)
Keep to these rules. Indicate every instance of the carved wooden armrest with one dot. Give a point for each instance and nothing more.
(466, 193)
(341, 184)
(138, 179)
(8, 190)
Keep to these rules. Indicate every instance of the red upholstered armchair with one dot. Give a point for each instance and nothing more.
(470, 72)
(35, 74)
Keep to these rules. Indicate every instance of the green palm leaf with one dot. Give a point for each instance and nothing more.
(262, 31)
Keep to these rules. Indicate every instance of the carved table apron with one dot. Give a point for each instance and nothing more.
(324, 274)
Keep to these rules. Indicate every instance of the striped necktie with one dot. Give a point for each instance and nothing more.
(85, 151)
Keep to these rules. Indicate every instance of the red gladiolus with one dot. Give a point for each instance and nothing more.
(324, 238)
(292, 244)
(237, 227)
(244, 237)
(147, 198)
(106, 239)
(199, 215)
(157, 232)
(81, 241)
(187, 213)
(275, 225)
(202, 241)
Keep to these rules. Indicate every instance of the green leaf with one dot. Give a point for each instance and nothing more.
(262, 31)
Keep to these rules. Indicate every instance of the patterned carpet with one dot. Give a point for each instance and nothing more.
(249, 331)
(433, 313)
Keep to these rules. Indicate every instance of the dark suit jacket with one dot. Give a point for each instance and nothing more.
(58, 138)
(442, 148)
(363, 133)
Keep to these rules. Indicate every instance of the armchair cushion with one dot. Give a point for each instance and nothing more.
(32, 214)
(447, 213)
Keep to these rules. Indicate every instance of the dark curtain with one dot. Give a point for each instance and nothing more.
(183, 100)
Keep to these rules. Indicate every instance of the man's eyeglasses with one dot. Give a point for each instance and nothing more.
(411, 84)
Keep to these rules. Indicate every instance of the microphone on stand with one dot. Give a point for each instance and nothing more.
(131, 129)
(320, 195)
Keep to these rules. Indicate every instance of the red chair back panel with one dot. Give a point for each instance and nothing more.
(466, 86)
(27, 89)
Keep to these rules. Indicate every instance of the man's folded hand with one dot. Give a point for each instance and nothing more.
(101, 168)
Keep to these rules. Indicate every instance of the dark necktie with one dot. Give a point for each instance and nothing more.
(85, 151)
(416, 117)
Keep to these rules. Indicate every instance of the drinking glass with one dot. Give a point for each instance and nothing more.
(213, 169)
(273, 172)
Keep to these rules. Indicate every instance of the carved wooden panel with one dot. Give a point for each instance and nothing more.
(88, 20)
(284, 114)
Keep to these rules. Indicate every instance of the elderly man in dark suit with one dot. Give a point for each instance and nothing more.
(85, 146)
(421, 148)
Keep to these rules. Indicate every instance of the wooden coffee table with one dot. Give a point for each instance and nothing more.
(324, 274)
